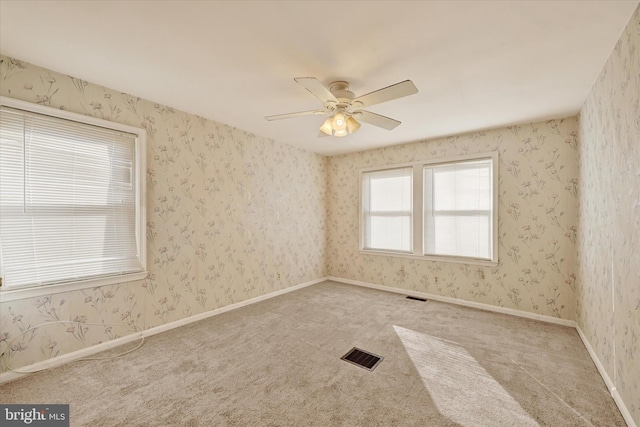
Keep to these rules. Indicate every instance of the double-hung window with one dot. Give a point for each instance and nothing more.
(387, 209)
(458, 209)
(441, 210)
(71, 200)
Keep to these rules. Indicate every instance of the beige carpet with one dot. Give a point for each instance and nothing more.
(277, 363)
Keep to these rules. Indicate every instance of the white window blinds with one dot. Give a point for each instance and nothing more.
(458, 209)
(387, 209)
(67, 200)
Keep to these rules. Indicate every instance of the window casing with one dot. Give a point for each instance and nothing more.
(72, 209)
(453, 210)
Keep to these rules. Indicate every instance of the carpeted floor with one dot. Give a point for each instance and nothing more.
(277, 363)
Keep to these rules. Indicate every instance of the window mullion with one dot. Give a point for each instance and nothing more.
(418, 210)
(389, 213)
(483, 212)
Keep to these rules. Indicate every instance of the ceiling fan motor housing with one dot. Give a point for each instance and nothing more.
(340, 90)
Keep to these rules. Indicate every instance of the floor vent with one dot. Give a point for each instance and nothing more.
(362, 358)
(417, 299)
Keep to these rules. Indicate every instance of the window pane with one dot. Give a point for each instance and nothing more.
(464, 236)
(391, 191)
(462, 186)
(392, 233)
(387, 209)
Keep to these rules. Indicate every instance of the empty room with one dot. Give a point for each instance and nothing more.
(322, 213)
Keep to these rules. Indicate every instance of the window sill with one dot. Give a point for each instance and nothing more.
(7, 294)
(469, 261)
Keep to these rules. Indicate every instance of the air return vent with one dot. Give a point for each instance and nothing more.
(362, 358)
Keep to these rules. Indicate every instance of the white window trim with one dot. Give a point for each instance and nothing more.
(418, 211)
(12, 294)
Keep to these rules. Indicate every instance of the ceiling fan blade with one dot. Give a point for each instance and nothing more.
(298, 114)
(322, 134)
(319, 90)
(377, 120)
(388, 93)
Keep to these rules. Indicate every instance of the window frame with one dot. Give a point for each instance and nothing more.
(14, 293)
(418, 210)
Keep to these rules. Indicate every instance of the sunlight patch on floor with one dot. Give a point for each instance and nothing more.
(461, 389)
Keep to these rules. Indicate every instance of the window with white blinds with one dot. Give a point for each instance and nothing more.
(458, 209)
(443, 210)
(70, 198)
(387, 209)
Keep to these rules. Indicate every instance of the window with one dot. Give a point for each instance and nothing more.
(71, 199)
(444, 210)
(458, 209)
(386, 209)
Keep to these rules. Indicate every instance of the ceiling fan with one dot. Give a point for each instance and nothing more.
(345, 109)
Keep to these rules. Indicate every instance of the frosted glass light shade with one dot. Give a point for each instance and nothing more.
(326, 126)
(352, 124)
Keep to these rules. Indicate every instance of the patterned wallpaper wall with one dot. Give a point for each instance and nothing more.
(538, 183)
(609, 237)
(231, 216)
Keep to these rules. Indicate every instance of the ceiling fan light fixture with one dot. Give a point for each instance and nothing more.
(340, 124)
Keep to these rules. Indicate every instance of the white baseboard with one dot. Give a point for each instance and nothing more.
(481, 306)
(88, 351)
(607, 379)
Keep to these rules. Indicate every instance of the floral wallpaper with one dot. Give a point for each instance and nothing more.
(230, 216)
(538, 183)
(608, 299)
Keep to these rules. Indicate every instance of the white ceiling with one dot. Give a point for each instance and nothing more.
(477, 64)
